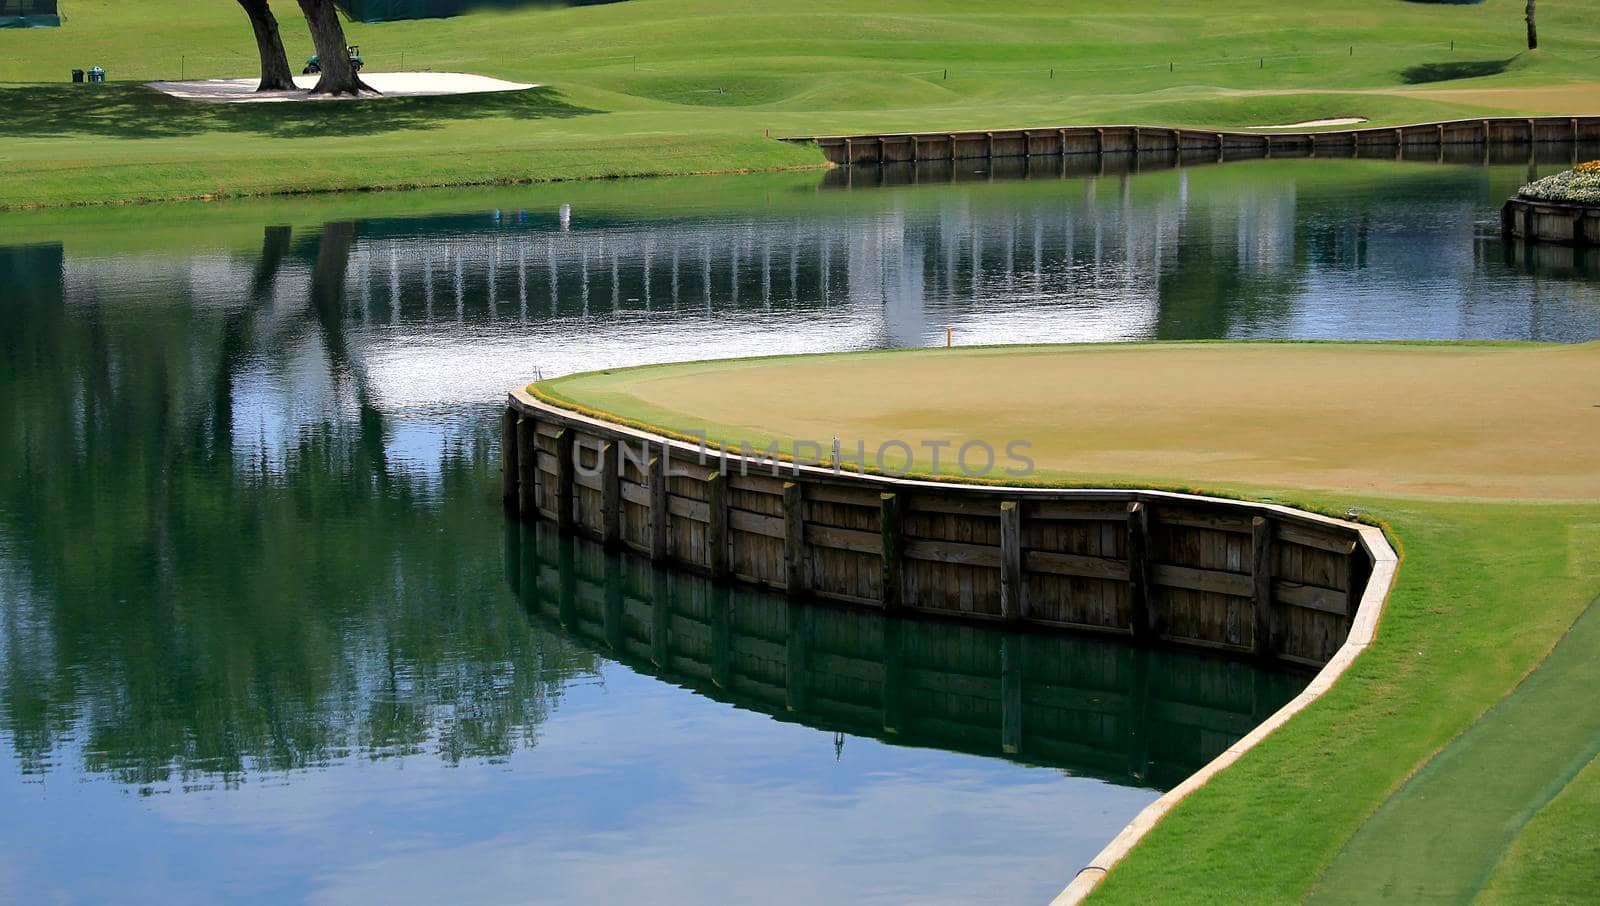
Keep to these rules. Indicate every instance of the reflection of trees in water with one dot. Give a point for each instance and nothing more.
(176, 609)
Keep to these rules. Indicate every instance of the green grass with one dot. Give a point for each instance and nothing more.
(1486, 590)
(692, 86)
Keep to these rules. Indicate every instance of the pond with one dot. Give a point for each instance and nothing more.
(265, 635)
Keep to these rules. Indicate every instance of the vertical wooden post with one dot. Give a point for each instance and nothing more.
(717, 527)
(661, 620)
(1144, 625)
(1011, 591)
(1135, 139)
(794, 538)
(894, 677)
(721, 637)
(889, 523)
(528, 468)
(564, 464)
(508, 457)
(1011, 694)
(1261, 530)
(611, 493)
(658, 506)
(796, 666)
(1100, 141)
(566, 581)
(611, 614)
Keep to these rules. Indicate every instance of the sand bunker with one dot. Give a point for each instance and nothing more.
(1312, 124)
(388, 84)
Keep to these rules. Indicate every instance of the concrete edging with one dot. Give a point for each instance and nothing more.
(1385, 565)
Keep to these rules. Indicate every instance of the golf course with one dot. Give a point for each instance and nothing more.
(656, 87)
(1455, 760)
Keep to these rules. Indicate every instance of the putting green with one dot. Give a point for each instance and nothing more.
(1498, 421)
(1442, 764)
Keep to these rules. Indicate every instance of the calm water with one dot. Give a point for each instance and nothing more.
(265, 636)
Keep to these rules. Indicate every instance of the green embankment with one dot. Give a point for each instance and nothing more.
(690, 86)
(1441, 755)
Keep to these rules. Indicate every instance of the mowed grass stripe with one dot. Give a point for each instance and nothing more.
(1439, 838)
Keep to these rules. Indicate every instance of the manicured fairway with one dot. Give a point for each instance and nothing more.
(1492, 579)
(687, 86)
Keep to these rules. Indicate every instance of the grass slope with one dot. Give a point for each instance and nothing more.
(1486, 590)
(688, 86)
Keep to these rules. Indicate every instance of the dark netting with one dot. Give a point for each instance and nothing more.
(26, 13)
(394, 10)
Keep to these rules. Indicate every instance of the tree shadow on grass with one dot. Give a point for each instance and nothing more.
(137, 111)
(1423, 73)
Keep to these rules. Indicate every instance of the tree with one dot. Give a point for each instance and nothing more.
(327, 33)
(1533, 30)
(275, 72)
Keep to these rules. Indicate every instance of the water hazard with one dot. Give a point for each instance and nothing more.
(264, 634)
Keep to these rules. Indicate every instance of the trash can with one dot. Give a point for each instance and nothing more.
(96, 74)
(77, 76)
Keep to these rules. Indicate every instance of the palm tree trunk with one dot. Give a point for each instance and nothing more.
(1533, 30)
(275, 72)
(327, 33)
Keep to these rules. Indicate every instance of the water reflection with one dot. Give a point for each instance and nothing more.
(1095, 708)
(254, 597)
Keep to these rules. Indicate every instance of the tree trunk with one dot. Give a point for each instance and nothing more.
(1533, 30)
(275, 72)
(327, 33)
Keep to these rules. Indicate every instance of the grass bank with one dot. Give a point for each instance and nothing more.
(1449, 703)
(692, 86)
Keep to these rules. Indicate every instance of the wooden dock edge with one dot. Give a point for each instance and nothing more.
(1385, 565)
(903, 147)
(1556, 222)
(1265, 527)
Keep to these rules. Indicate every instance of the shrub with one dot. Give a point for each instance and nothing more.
(1580, 185)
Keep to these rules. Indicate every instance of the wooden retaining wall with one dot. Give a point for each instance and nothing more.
(1100, 140)
(1064, 701)
(1532, 220)
(1153, 566)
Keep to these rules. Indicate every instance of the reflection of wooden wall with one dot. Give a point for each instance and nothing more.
(1390, 141)
(1199, 571)
(1116, 711)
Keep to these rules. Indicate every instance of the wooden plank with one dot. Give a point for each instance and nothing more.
(1221, 522)
(527, 469)
(564, 439)
(823, 493)
(1143, 622)
(1068, 509)
(755, 523)
(1012, 605)
(953, 552)
(688, 508)
(1076, 565)
(1262, 536)
(717, 520)
(918, 503)
(844, 539)
(1334, 541)
(635, 493)
(508, 457)
(794, 538)
(891, 545)
(548, 429)
(590, 480)
(611, 493)
(659, 518)
(1212, 580)
(1311, 597)
(763, 483)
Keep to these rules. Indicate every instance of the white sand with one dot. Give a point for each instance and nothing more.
(388, 84)
(1308, 124)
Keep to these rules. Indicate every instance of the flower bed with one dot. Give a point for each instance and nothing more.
(1580, 185)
